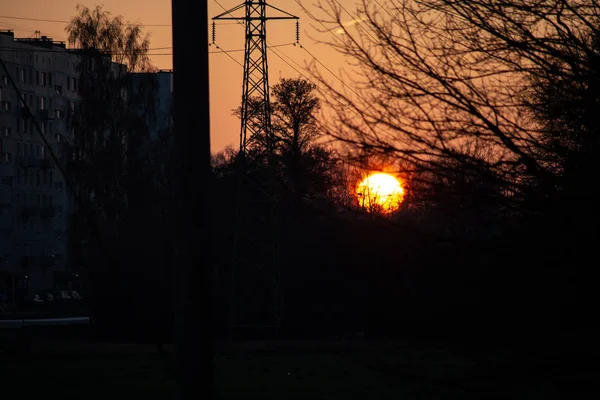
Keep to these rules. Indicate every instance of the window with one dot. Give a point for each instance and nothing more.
(44, 200)
(44, 178)
(30, 149)
(22, 77)
(0, 94)
(58, 138)
(43, 79)
(68, 83)
(37, 181)
(42, 103)
(6, 131)
(25, 150)
(49, 103)
(37, 197)
(30, 77)
(5, 79)
(5, 106)
(37, 151)
(17, 197)
(37, 77)
(43, 154)
(23, 126)
(50, 177)
(18, 73)
(50, 127)
(19, 130)
(43, 128)
(74, 84)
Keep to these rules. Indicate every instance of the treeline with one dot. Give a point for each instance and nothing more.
(490, 118)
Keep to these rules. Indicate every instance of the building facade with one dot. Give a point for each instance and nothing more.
(36, 125)
(36, 118)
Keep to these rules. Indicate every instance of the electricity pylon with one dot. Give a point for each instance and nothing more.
(255, 301)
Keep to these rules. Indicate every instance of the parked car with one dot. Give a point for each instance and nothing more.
(66, 295)
(43, 297)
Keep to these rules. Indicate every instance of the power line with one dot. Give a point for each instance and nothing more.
(318, 20)
(298, 71)
(228, 55)
(276, 53)
(331, 72)
(33, 50)
(21, 50)
(68, 22)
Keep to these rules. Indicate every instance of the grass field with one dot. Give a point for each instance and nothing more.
(293, 370)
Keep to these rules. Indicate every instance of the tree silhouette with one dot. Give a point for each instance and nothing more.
(104, 160)
(304, 167)
(492, 108)
(96, 29)
(433, 75)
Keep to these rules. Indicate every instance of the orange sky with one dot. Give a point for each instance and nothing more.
(225, 73)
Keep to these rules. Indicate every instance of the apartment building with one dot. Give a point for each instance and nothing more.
(34, 204)
(152, 96)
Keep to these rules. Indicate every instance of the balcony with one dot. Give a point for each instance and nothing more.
(6, 180)
(28, 162)
(28, 212)
(47, 212)
(45, 163)
(23, 112)
(45, 115)
(26, 261)
(48, 260)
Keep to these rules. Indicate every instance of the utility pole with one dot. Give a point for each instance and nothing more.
(255, 300)
(193, 327)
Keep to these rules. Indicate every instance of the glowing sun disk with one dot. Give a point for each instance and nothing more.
(380, 192)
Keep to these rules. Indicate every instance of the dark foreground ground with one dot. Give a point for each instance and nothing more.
(71, 368)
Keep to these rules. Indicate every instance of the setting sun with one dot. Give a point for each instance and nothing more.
(380, 192)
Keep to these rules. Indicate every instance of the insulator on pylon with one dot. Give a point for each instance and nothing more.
(214, 32)
(297, 32)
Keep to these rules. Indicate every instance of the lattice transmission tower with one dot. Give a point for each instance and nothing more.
(255, 300)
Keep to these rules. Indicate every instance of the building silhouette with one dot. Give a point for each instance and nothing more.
(34, 203)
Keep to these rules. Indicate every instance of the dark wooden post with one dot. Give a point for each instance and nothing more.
(193, 324)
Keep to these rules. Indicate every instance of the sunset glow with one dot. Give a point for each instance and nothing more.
(380, 192)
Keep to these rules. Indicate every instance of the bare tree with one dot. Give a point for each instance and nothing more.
(434, 74)
(304, 165)
(96, 29)
(293, 113)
